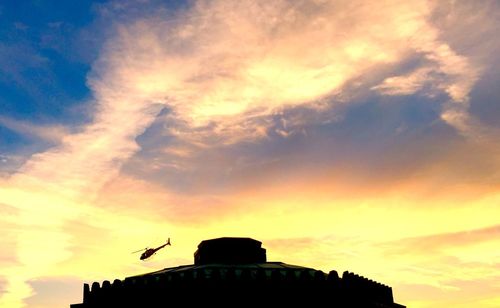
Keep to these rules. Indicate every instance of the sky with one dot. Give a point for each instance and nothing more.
(345, 135)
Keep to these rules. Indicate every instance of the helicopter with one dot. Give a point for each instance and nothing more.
(148, 252)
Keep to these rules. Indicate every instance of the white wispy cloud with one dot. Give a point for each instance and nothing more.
(226, 62)
(446, 69)
(51, 133)
(405, 84)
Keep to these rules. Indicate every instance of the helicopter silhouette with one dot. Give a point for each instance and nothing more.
(148, 252)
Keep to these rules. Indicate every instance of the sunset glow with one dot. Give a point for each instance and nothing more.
(346, 135)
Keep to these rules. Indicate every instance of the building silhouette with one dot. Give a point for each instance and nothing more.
(234, 272)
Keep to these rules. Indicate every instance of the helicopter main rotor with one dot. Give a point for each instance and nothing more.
(140, 250)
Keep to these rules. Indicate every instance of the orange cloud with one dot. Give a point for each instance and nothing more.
(432, 243)
(281, 54)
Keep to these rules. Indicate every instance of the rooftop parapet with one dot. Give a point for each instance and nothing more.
(230, 250)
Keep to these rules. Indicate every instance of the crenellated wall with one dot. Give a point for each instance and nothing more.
(240, 287)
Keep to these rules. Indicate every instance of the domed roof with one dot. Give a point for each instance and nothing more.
(230, 250)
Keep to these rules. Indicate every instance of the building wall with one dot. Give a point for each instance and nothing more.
(233, 287)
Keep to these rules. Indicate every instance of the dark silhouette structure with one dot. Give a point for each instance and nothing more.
(234, 272)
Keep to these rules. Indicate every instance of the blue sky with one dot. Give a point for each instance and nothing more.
(43, 49)
(55, 44)
(204, 118)
(45, 53)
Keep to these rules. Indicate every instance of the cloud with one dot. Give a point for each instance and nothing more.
(453, 283)
(457, 292)
(51, 133)
(3, 283)
(456, 64)
(222, 69)
(438, 269)
(376, 148)
(225, 72)
(406, 84)
(9, 229)
(282, 54)
(448, 72)
(285, 58)
(431, 278)
(436, 242)
(15, 70)
(26, 58)
(52, 291)
(94, 154)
